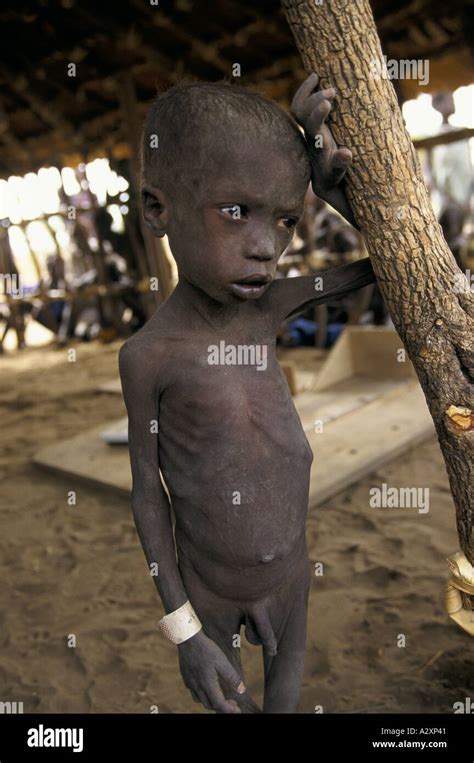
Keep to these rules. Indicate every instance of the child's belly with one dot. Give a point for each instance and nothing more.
(237, 463)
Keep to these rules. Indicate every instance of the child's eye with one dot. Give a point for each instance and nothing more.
(288, 222)
(235, 211)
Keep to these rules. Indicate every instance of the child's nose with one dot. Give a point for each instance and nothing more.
(260, 256)
(260, 247)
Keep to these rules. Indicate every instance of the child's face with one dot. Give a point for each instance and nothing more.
(228, 237)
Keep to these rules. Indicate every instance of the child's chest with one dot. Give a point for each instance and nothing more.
(233, 392)
(235, 368)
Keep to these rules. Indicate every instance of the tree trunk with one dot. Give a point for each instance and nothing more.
(429, 300)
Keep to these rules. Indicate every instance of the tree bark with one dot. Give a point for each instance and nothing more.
(429, 300)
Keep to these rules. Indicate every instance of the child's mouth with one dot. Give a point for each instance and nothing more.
(252, 286)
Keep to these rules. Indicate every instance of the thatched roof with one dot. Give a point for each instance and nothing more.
(124, 50)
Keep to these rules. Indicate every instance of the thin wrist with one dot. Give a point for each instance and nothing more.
(181, 624)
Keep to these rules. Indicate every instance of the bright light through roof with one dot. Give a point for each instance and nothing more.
(34, 194)
(97, 173)
(423, 120)
(30, 198)
(71, 186)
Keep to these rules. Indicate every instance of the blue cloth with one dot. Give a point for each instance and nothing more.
(302, 332)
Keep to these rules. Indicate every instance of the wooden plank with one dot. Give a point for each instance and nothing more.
(116, 433)
(87, 457)
(289, 369)
(370, 351)
(112, 386)
(357, 443)
(349, 395)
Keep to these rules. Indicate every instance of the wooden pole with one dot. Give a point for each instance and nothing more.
(157, 261)
(429, 300)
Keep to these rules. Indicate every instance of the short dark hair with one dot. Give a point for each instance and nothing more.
(182, 120)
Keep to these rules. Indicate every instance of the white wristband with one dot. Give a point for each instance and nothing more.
(181, 624)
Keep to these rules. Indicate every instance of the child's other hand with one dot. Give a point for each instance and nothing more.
(310, 107)
(202, 663)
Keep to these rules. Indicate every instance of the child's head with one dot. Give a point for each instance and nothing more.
(225, 173)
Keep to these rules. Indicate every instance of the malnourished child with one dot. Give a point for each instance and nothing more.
(225, 172)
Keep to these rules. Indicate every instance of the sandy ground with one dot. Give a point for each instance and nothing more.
(80, 570)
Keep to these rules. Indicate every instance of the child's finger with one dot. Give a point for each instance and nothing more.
(312, 107)
(218, 701)
(303, 92)
(306, 87)
(221, 705)
(317, 117)
(344, 154)
(329, 92)
(315, 109)
(204, 699)
(338, 165)
(229, 674)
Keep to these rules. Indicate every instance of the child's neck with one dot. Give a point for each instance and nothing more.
(203, 309)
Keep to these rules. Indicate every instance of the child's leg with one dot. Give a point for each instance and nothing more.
(221, 620)
(288, 611)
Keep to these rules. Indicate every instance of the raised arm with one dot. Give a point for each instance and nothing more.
(202, 662)
(290, 296)
(311, 107)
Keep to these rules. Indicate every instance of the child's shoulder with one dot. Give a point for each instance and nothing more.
(146, 352)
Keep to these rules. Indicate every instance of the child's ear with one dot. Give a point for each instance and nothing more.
(155, 210)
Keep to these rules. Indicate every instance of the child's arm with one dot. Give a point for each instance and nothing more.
(289, 296)
(201, 660)
(328, 167)
(310, 108)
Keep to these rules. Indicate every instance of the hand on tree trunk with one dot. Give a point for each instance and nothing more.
(310, 107)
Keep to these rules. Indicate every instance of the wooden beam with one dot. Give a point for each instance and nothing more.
(50, 116)
(464, 133)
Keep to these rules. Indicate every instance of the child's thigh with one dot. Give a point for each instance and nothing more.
(288, 612)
